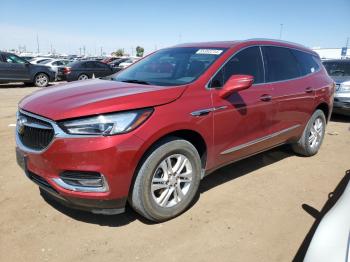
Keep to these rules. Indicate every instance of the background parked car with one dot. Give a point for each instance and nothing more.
(82, 70)
(108, 60)
(115, 64)
(128, 62)
(339, 70)
(55, 63)
(40, 60)
(17, 69)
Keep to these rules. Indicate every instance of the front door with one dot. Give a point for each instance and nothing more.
(242, 121)
(16, 67)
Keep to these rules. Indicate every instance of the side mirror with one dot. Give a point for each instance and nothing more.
(236, 83)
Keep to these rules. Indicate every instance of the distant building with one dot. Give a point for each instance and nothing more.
(331, 53)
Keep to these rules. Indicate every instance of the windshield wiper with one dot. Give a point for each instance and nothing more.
(141, 82)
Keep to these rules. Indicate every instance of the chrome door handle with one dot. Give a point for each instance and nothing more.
(266, 98)
(308, 90)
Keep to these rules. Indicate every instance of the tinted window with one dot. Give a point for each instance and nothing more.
(100, 65)
(44, 61)
(337, 68)
(246, 62)
(307, 62)
(281, 64)
(13, 59)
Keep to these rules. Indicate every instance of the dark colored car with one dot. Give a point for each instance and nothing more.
(16, 69)
(118, 61)
(82, 70)
(339, 70)
(150, 133)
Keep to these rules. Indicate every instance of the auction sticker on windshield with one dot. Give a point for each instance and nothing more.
(209, 51)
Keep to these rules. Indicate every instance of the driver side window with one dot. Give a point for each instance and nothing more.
(13, 59)
(246, 62)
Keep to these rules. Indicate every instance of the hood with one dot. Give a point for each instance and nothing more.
(96, 96)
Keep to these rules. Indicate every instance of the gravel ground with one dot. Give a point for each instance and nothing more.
(253, 210)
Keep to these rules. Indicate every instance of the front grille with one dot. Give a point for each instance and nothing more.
(34, 133)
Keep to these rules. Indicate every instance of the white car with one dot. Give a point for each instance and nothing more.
(331, 241)
(128, 62)
(40, 60)
(55, 63)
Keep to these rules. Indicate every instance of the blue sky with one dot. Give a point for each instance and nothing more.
(68, 25)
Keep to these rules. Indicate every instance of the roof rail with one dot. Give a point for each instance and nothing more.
(275, 40)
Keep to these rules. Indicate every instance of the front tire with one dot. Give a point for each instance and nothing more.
(312, 137)
(167, 180)
(41, 80)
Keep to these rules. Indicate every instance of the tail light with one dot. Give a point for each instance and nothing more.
(66, 70)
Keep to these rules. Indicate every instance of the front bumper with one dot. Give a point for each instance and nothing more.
(115, 157)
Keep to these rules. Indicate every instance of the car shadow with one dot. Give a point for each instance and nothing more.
(13, 85)
(103, 220)
(22, 85)
(318, 215)
(340, 118)
(244, 167)
(222, 175)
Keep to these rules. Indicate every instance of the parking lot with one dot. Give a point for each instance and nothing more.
(253, 210)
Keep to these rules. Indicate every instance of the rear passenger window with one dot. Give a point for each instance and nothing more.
(246, 62)
(281, 64)
(307, 62)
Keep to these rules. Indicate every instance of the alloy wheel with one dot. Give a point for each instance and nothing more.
(171, 180)
(316, 133)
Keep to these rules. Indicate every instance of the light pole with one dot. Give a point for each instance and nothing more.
(281, 30)
(37, 43)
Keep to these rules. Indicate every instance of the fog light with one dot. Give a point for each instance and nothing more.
(82, 181)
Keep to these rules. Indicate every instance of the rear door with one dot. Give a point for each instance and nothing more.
(93, 69)
(16, 68)
(242, 121)
(293, 91)
(106, 70)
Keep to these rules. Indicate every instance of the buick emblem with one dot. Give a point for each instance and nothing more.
(20, 124)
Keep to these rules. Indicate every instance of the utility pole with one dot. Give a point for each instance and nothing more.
(347, 42)
(281, 30)
(84, 50)
(37, 43)
(101, 51)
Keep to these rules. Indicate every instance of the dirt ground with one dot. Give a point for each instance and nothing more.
(253, 210)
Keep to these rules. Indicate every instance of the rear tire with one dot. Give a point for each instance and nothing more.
(167, 180)
(312, 137)
(83, 77)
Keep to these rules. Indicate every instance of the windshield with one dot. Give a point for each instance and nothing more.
(170, 67)
(337, 68)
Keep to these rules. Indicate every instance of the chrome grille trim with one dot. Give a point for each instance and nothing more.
(40, 125)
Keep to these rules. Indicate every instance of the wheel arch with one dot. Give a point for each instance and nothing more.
(40, 72)
(194, 137)
(325, 108)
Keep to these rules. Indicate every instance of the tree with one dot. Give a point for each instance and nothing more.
(139, 51)
(119, 52)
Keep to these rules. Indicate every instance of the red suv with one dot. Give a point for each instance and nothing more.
(148, 134)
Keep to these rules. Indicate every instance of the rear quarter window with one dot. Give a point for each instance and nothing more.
(307, 62)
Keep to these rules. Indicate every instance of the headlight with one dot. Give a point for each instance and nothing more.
(109, 124)
(344, 87)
